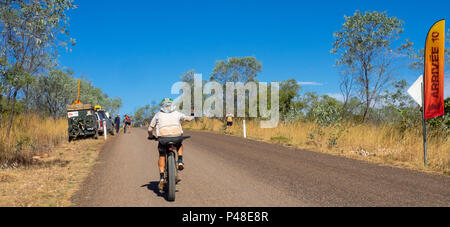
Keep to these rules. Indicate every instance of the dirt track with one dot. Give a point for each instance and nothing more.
(231, 171)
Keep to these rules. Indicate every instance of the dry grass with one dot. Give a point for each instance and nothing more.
(55, 172)
(53, 180)
(381, 144)
(30, 135)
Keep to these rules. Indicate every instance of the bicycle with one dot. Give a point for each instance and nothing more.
(171, 170)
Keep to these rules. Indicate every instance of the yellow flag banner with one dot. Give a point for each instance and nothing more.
(434, 71)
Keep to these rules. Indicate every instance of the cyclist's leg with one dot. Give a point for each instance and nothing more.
(162, 158)
(180, 157)
(180, 151)
(161, 165)
(180, 163)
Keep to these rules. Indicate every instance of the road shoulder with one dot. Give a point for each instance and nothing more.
(53, 179)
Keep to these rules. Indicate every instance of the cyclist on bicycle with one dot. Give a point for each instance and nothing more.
(167, 123)
(126, 123)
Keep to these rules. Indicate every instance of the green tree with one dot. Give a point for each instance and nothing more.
(322, 109)
(364, 46)
(111, 105)
(95, 96)
(236, 69)
(145, 113)
(289, 93)
(30, 30)
(188, 77)
(398, 107)
(52, 93)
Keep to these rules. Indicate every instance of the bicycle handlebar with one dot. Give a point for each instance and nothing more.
(154, 138)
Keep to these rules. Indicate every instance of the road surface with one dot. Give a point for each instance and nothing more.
(231, 171)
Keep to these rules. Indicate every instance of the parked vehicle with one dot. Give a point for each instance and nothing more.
(103, 119)
(82, 121)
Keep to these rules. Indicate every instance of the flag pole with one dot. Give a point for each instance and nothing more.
(424, 124)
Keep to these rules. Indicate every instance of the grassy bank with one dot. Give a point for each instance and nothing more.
(30, 135)
(381, 144)
(53, 180)
(38, 166)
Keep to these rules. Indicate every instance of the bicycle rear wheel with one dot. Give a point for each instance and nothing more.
(171, 178)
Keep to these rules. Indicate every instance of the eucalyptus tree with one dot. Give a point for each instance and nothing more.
(364, 46)
(31, 32)
(145, 113)
(52, 93)
(95, 96)
(289, 95)
(236, 69)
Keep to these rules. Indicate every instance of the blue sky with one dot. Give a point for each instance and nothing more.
(137, 49)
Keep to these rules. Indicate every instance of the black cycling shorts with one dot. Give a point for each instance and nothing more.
(163, 141)
(229, 123)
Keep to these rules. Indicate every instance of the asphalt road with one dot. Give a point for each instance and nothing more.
(230, 171)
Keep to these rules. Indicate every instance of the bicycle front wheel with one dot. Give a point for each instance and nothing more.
(171, 178)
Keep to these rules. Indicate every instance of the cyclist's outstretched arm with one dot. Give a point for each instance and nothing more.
(184, 117)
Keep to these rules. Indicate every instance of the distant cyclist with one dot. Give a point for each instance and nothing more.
(126, 123)
(167, 126)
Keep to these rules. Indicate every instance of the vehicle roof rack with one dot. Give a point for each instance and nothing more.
(80, 107)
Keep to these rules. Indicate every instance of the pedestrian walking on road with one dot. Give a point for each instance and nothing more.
(117, 123)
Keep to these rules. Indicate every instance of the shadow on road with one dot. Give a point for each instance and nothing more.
(153, 186)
